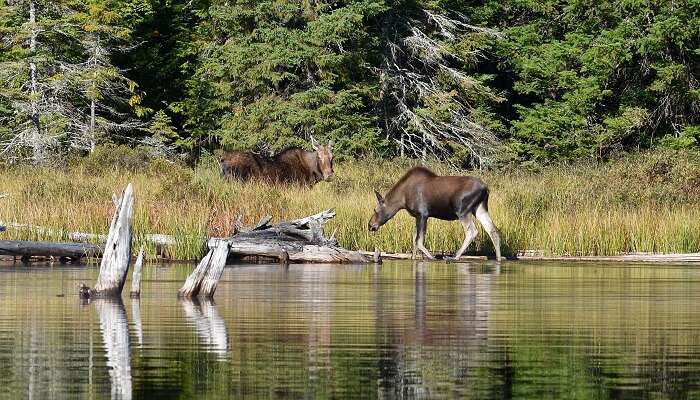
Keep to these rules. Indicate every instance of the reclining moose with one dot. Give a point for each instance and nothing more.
(293, 165)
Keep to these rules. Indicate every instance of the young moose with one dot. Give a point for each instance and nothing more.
(424, 194)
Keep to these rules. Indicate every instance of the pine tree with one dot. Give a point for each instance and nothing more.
(105, 99)
(26, 85)
(271, 73)
(58, 80)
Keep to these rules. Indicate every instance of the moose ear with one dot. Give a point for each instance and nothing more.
(314, 143)
(330, 144)
(380, 199)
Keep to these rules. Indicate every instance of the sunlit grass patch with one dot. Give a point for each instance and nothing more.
(647, 203)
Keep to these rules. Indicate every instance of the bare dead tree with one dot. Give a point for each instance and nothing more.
(424, 93)
(62, 104)
(24, 85)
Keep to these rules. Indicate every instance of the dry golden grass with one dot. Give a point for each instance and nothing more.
(647, 203)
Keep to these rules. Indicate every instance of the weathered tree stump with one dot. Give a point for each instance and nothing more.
(117, 255)
(136, 276)
(204, 279)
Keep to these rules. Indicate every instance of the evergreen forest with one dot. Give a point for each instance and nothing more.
(474, 83)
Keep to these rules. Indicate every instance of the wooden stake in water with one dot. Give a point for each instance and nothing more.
(117, 255)
(136, 276)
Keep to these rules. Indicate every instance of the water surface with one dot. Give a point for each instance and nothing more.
(401, 330)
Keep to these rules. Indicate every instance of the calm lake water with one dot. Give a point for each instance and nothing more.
(401, 330)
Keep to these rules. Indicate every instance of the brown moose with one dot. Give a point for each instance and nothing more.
(292, 165)
(424, 194)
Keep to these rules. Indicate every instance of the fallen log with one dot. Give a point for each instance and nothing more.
(114, 265)
(156, 239)
(300, 240)
(27, 248)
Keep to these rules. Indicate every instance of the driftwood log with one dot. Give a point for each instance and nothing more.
(160, 241)
(114, 265)
(301, 240)
(28, 248)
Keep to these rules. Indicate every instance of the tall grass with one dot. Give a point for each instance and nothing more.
(644, 203)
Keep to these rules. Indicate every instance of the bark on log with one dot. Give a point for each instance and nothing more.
(29, 248)
(204, 279)
(117, 256)
(136, 276)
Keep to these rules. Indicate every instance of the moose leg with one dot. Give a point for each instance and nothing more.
(470, 233)
(415, 240)
(485, 219)
(421, 227)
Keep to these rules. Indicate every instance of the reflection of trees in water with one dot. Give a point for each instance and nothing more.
(210, 327)
(115, 335)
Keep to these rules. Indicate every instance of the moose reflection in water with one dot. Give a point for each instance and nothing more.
(293, 165)
(424, 194)
(410, 370)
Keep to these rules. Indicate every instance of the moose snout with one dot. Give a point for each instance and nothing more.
(372, 227)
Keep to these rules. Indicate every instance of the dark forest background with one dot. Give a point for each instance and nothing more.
(475, 83)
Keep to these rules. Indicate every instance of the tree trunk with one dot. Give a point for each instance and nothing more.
(117, 255)
(26, 248)
(216, 268)
(93, 105)
(36, 139)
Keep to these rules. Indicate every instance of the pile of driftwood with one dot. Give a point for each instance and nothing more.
(300, 240)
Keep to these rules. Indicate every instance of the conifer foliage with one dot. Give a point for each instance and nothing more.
(470, 82)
